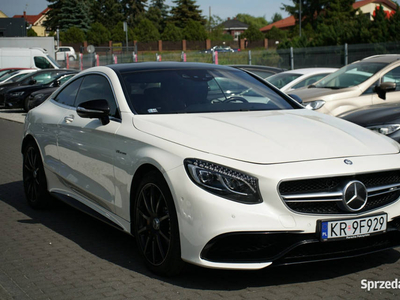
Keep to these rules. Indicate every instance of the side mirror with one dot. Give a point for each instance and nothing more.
(295, 97)
(32, 81)
(385, 87)
(94, 109)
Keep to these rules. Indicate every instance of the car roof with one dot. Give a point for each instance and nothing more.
(385, 58)
(258, 67)
(163, 66)
(310, 71)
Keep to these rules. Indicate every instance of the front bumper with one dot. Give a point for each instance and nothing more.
(219, 233)
(284, 248)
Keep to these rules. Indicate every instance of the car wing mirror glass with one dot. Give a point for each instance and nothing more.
(95, 109)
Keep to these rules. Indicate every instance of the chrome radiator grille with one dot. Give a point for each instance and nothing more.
(326, 195)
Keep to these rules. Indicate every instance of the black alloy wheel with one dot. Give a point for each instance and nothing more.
(35, 184)
(156, 226)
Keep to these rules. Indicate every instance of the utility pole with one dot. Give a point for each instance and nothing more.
(300, 15)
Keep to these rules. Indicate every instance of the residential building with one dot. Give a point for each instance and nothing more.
(367, 7)
(234, 27)
(36, 21)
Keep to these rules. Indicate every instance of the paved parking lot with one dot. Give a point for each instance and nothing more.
(61, 253)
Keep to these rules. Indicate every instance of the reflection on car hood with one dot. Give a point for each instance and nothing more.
(267, 136)
(310, 94)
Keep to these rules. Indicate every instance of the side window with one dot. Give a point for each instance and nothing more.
(95, 87)
(371, 89)
(42, 63)
(68, 94)
(308, 81)
(393, 76)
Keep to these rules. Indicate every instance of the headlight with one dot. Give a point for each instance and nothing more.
(385, 129)
(313, 105)
(224, 182)
(38, 96)
(16, 94)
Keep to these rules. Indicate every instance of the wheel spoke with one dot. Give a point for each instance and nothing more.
(164, 236)
(153, 251)
(160, 247)
(145, 203)
(147, 218)
(164, 218)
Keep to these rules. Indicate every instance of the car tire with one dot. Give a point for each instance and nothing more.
(26, 104)
(71, 58)
(34, 178)
(156, 226)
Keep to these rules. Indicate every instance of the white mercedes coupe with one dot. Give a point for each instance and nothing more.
(212, 166)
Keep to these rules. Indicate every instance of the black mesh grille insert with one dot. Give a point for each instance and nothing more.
(327, 185)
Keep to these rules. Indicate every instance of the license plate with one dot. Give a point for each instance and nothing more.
(353, 228)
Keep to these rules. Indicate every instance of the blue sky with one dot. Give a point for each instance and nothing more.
(221, 8)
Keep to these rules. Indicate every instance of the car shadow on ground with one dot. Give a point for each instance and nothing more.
(120, 249)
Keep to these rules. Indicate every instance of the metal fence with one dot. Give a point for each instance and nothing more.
(333, 56)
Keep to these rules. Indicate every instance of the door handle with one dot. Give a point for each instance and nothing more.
(69, 119)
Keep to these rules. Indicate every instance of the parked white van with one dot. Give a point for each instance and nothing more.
(34, 58)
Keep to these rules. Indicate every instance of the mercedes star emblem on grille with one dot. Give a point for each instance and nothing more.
(354, 196)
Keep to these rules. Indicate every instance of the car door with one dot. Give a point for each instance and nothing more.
(392, 75)
(86, 147)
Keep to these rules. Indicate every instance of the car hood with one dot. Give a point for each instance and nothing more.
(311, 94)
(267, 137)
(374, 115)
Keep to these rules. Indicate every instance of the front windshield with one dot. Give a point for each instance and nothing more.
(53, 61)
(15, 78)
(351, 75)
(282, 79)
(199, 91)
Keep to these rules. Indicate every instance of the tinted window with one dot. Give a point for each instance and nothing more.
(68, 94)
(42, 63)
(95, 87)
(351, 75)
(194, 91)
(393, 76)
(308, 81)
(282, 79)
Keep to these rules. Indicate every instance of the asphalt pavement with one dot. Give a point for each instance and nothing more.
(60, 253)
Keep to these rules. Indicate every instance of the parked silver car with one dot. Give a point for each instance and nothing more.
(373, 80)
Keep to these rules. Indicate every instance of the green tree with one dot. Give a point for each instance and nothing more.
(276, 34)
(31, 32)
(74, 13)
(107, 12)
(146, 31)
(257, 22)
(310, 10)
(154, 15)
(164, 9)
(134, 10)
(118, 34)
(276, 17)
(98, 34)
(394, 25)
(194, 31)
(74, 35)
(380, 27)
(184, 11)
(172, 33)
(252, 34)
(53, 15)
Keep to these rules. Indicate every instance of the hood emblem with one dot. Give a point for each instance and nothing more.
(348, 162)
(355, 196)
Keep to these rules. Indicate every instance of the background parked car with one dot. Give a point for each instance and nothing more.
(299, 78)
(38, 97)
(18, 96)
(373, 80)
(37, 77)
(9, 70)
(382, 118)
(16, 75)
(221, 49)
(262, 71)
(62, 52)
